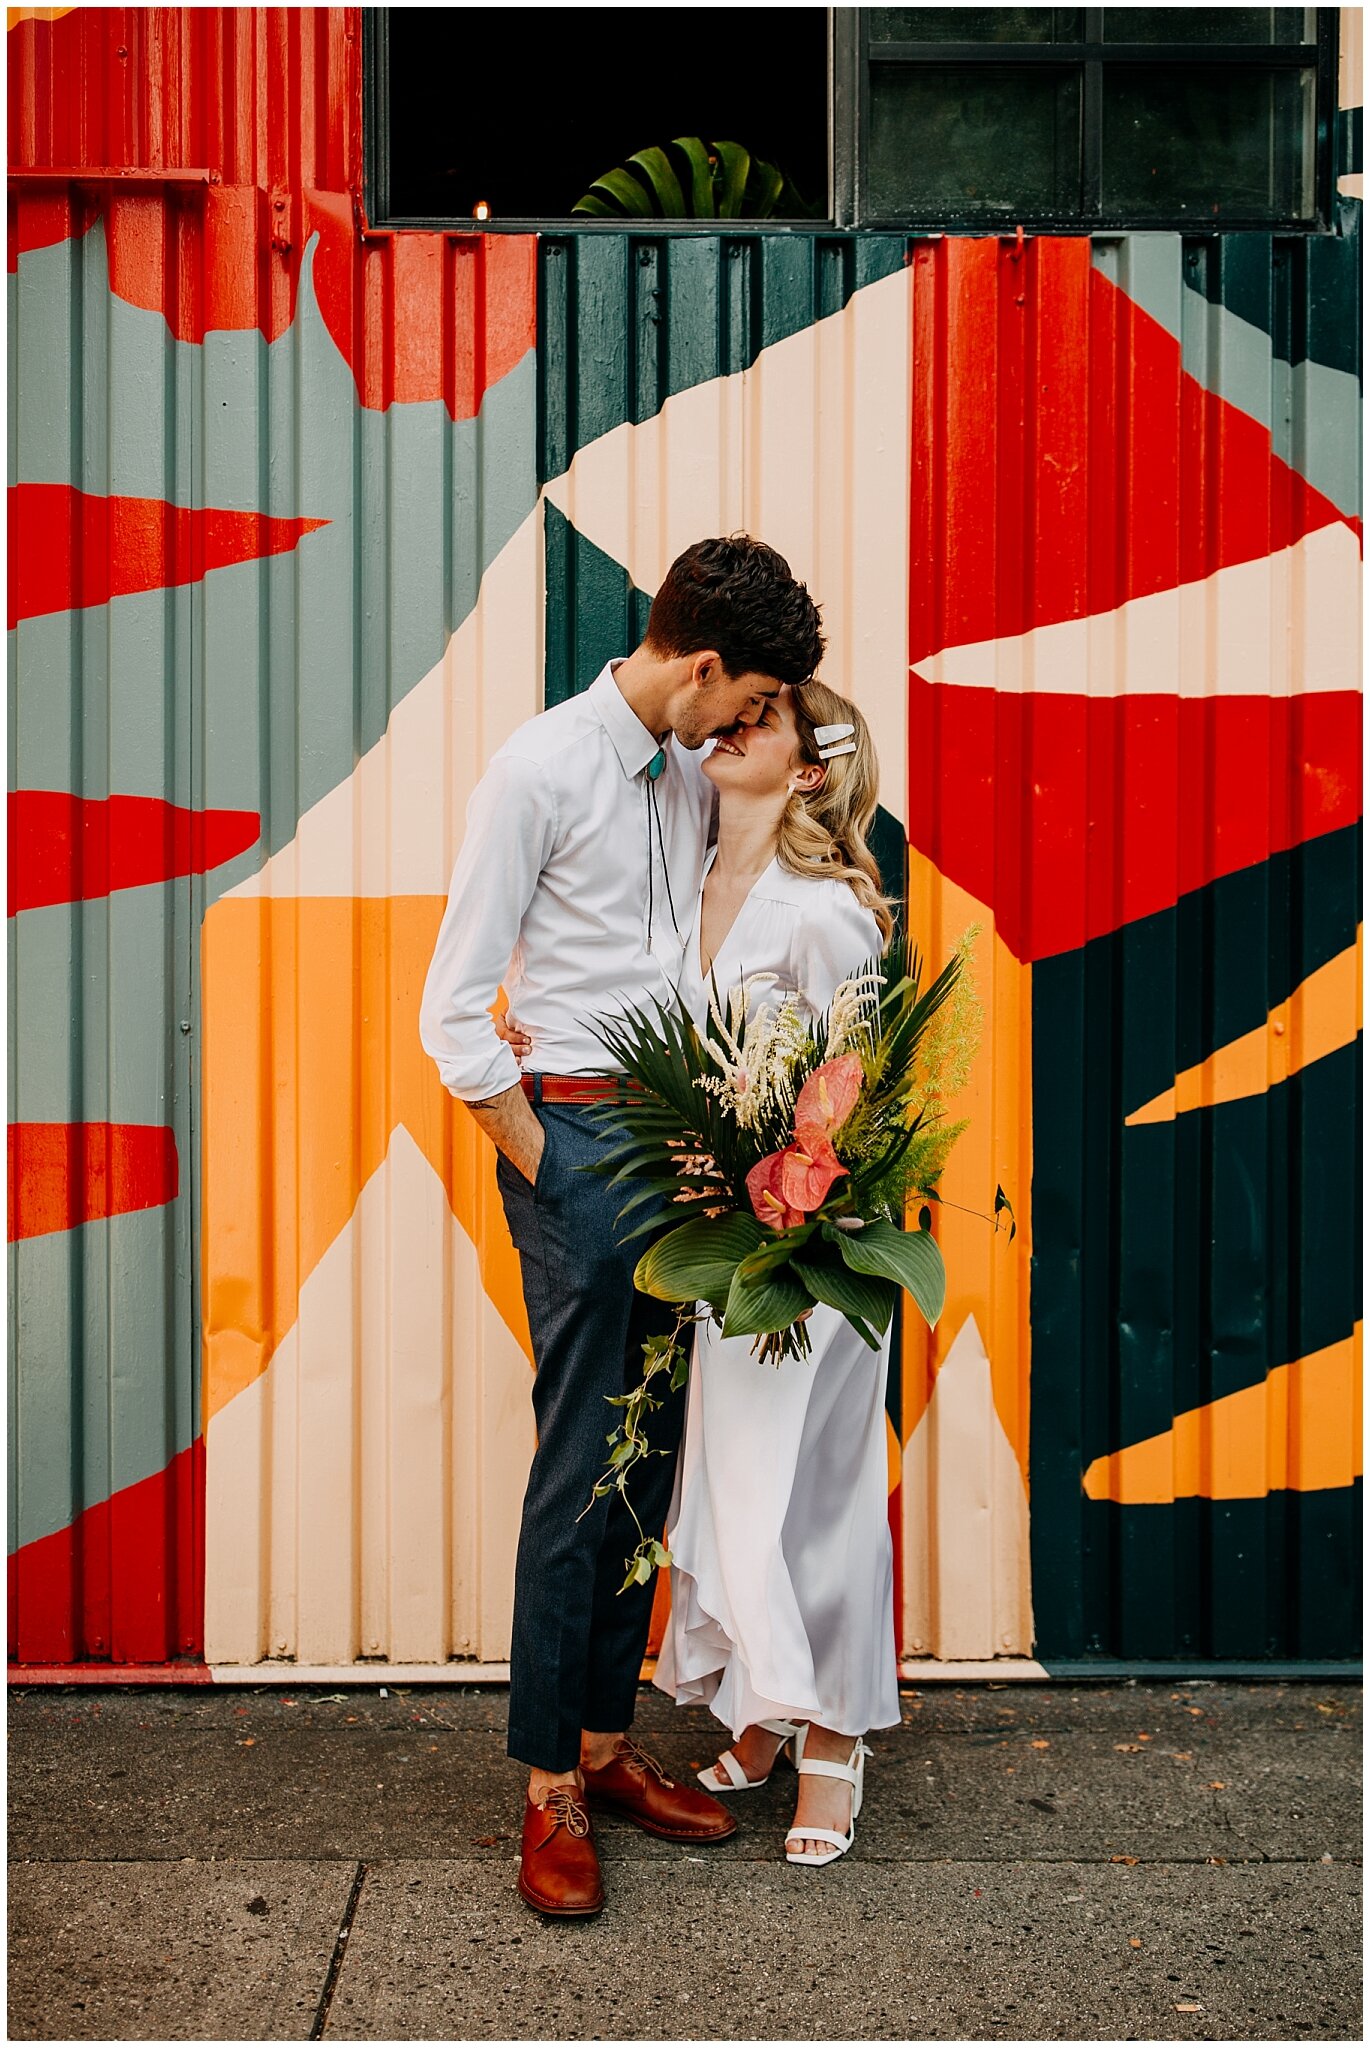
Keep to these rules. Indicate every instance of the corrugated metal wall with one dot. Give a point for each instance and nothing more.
(308, 518)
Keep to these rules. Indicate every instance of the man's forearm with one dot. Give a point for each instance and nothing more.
(509, 1123)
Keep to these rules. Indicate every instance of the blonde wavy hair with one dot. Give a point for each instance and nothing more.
(823, 831)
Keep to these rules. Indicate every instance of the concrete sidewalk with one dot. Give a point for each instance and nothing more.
(1160, 1862)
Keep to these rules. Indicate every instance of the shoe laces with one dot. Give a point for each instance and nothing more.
(633, 1753)
(565, 1808)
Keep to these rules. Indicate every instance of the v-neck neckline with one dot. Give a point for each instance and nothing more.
(709, 859)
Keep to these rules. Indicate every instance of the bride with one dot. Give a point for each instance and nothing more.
(782, 1566)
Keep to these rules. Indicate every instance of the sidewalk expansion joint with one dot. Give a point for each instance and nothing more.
(330, 1982)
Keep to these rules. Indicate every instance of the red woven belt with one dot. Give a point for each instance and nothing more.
(577, 1087)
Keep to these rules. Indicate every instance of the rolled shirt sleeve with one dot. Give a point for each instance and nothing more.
(510, 832)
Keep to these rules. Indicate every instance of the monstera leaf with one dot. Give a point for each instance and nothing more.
(690, 179)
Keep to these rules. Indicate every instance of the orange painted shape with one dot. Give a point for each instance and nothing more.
(14, 15)
(987, 1277)
(1322, 1015)
(311, 1060)
(1298, 1430)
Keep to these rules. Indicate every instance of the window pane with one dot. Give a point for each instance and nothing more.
(1218, 145)
(980, 139)
(975, 24)
(1210, 25)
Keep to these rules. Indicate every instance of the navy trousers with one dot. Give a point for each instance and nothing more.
(578, 1643)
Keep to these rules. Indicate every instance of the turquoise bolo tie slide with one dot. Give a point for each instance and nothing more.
(656, 765)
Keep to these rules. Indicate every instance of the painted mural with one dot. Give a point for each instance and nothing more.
(306, 517)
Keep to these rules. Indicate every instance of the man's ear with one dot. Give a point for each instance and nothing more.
(707, 667)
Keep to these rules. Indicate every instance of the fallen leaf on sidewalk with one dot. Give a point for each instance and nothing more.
(1134, 1941)
(1181, 1756)
(1128, 1748)
(1142, 1736)
(1217, 1785)
(1040, 1742)
(1122, 1859)
(1188, 2005)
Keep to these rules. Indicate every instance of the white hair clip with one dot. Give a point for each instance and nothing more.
(834, 739)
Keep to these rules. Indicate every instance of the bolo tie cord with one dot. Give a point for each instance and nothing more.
(654, 768)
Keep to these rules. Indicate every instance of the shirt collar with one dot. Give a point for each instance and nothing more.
(633, 744)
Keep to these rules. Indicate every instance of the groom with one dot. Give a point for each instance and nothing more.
(575, 886)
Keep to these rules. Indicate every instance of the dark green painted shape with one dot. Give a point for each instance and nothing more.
(1178, 1262)
(1278, 1577)
(595, 612)
(627, 320)
(1304, 291)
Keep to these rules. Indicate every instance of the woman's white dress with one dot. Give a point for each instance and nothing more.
(782, 1580)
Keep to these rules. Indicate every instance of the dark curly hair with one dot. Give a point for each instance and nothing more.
(737, 595)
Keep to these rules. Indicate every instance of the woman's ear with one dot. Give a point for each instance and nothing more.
(807, 777)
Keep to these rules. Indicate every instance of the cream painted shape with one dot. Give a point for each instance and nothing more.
(1287, 625)
(967, 1590)
(809, 450)
(362, 1495)
(395, 826)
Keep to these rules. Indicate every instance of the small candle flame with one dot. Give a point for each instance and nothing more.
(481, 210)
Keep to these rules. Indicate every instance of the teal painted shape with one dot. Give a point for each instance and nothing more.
(625, 321)
(285, 669)
(257, 689)
(1247, 352)
(595, 612)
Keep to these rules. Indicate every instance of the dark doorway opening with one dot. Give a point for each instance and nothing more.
(522, 108)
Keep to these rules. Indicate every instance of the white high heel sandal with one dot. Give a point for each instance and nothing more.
(738, 1781)
(840, 1843)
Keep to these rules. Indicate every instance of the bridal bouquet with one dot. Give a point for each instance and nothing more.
(798, 1147)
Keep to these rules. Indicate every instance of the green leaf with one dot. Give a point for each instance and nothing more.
(863, 1298)
(656, 168)
(621, 185)
(764, 188)
(591, 203)
(775, 1249)
(770, 1303)
(910, 1258)
(735, 162)
(696, 1261)
(701, 176)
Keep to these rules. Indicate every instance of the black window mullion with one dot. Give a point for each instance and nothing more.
(1092, 116)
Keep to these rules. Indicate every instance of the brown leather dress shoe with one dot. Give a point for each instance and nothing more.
(559, 1870)
(634, 1784)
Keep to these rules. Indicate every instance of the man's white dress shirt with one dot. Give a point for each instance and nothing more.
(561, 893)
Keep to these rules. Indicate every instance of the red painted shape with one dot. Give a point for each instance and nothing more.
(1124, 804)
(72, 849)
(124, 1582)
(1063, 461)
(62, 1175)
(70, 549)
(270, 101)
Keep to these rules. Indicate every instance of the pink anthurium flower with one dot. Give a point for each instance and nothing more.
(827, 1099)
(807, 1171)
(768, 1201)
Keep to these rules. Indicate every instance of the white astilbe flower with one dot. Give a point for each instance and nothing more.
(853, 1015)
(757, 1053)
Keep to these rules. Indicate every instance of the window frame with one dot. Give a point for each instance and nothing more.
(1091, 55)
(849, 65)
(376, 169)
